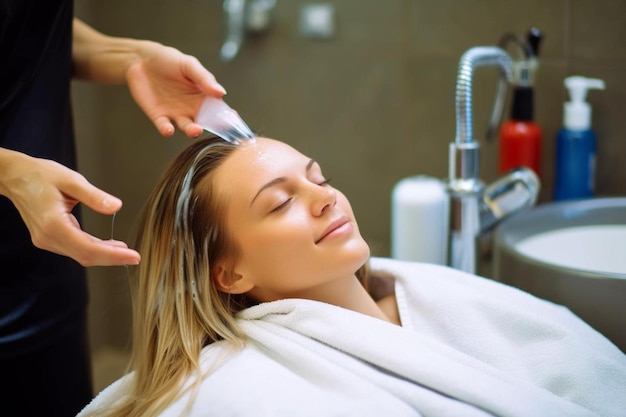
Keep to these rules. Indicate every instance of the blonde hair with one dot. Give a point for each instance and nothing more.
(177, 308)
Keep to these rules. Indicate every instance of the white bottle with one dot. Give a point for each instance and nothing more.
(419, 220)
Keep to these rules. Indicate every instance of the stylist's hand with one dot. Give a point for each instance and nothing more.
(170, 86)
(45, 193)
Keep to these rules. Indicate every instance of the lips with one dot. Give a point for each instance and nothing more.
(334, 225)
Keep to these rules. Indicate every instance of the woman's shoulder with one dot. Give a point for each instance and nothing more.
(442, 287)
(401, 268)
(427, 275)
(407, 272)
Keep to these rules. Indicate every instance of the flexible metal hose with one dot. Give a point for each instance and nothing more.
(471, 59)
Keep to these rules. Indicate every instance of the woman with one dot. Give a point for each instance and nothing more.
(249, 302)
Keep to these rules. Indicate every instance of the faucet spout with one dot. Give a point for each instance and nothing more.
(472, 59)
(464, 188)
(464, 151)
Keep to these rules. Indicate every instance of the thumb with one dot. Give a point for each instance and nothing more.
(92, 197)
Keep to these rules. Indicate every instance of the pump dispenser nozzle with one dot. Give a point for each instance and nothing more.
(577, 112)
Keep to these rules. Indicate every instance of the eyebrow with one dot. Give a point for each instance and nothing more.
(279, 180)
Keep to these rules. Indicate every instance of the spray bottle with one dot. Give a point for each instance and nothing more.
(576, 143)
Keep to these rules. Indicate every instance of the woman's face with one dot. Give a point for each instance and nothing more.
(297, 234)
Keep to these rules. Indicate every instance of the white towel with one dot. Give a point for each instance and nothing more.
(468, 346)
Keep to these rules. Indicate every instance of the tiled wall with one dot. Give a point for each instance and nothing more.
(374, 104)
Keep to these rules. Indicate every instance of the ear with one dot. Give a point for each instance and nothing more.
(228, 281)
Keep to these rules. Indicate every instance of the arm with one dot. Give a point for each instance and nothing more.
(45, 192)
(100, 58)
(167, 85)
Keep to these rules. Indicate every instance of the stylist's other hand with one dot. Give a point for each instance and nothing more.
(170, 86)
(45, 192)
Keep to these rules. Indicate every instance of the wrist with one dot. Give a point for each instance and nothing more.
(140, 51)
(109, 60)
(9, 159)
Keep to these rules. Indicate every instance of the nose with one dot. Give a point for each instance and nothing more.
(323, 198)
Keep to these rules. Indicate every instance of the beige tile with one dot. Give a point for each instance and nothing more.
(108, 364)
(449, 27)
(597, 31)
(161, 20)
(109, 303)
(429, 116)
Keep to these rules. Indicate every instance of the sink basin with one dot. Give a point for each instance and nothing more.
(572, 253)
(597, 248)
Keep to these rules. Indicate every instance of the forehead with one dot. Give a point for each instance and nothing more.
(263, 154)
(256, 162)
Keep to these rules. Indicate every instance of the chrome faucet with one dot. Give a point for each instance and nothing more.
(475, 208)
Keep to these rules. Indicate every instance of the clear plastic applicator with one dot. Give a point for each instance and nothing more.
(218, 118)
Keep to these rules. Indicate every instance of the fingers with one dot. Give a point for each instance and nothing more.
(88, 250)
(78, 188)
(196, 72)
(172, 89)
(193, 130)
(91, 251)
(108, 253)
(63, 236)
(187, 125)
(115, 243)
(164, 126)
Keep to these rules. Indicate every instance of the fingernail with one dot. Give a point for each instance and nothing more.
(110, 202)
(132, 261)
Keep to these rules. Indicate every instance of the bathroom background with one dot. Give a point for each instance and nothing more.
(373, 104)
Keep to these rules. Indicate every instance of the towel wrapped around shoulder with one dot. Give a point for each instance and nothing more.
(468, 346)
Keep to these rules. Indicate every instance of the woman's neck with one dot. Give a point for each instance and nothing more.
(350, 294)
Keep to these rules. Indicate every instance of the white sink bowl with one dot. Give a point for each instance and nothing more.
(598, 248)
(572, 253)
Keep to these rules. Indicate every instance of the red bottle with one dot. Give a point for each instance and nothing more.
(521, 137)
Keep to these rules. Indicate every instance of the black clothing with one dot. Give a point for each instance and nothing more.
(43, 296)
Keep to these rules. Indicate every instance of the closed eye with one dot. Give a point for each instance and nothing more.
(286, 202)
(281, 206)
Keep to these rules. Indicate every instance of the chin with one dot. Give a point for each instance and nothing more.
(360, 253)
